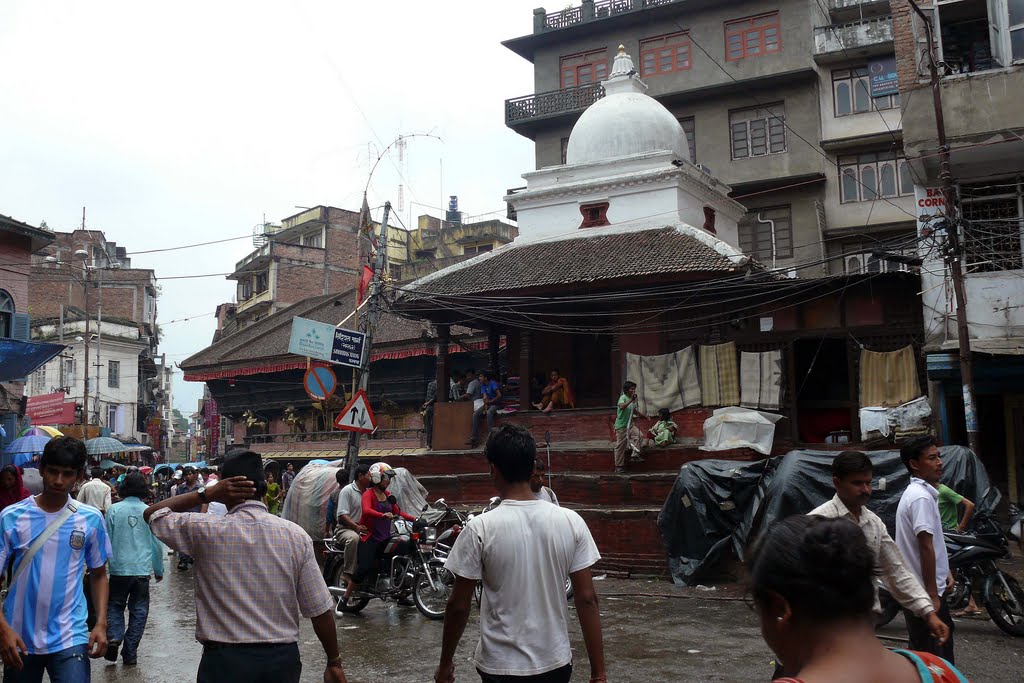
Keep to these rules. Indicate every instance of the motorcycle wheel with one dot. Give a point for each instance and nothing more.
(430, 601)
(568, 589)
(1006, 609)
(890, 608)
(960, 595)
(352, 606)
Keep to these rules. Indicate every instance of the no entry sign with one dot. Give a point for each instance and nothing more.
(320, 382)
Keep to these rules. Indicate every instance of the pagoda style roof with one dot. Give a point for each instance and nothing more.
(586, 257)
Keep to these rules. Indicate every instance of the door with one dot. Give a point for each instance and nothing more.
(1013, 406)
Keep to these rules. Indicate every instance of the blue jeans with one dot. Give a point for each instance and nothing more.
(131, 592)
(67, 666)
(490, 411)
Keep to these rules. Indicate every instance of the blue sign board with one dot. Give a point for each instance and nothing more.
(320, 382)
(884, 77)
(324, 341)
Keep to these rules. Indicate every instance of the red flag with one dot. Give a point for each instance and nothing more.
(364, 284)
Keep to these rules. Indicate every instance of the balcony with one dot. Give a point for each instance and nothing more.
(861, 38)
(522, 110)
(850, 10)
(590, 10)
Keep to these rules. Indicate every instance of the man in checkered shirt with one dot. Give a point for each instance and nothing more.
(255, 573)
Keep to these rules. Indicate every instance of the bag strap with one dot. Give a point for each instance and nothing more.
(42, 538)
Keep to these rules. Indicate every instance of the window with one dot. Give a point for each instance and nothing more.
(6, 315)
(858, 259)
(474, 249)
(245, 289)
(262, 282)
(691, 136)
(565, 150)
(69, 373)
(314, 240)
(112, 418)
(594, 215)
(767, 234)
(851, 93)
(993, 213)
(584, 68)
(758, 131)
(114, 374)
(866, 177)
(665, 54)
(752, 37)
(39, 381)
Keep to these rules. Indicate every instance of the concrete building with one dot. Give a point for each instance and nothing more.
(117, 391)
(979, 47)
(775, 103)
(320, 251)
(18, 241)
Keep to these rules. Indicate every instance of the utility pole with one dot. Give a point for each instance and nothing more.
(370, 322)
(955, 251)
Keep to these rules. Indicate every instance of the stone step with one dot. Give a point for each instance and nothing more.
(588, 456)
(572, 488)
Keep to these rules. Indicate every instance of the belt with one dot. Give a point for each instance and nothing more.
(212, 645)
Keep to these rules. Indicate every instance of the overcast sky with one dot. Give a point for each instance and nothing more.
(188, 122)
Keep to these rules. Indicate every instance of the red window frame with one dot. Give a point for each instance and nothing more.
(592, 65)
(665, 54)
(753, 36)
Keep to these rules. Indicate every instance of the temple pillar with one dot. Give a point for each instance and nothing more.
(443, 338)
(525, 358)
(493, 340)
(618, 361)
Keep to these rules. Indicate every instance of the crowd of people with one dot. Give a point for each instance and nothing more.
(87, 563)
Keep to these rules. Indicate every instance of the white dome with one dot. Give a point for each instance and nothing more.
(625, 122)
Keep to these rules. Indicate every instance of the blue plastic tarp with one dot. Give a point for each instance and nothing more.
(19, 359)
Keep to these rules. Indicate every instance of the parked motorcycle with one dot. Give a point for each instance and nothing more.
(972, 562)
(407, 569)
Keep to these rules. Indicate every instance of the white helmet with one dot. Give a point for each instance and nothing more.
(379, 470)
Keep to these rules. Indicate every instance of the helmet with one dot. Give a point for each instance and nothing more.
(379, 470)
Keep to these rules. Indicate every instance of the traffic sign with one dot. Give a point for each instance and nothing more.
(320, 382)
(357, 415)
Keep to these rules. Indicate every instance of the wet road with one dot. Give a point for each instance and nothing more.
(665, 634)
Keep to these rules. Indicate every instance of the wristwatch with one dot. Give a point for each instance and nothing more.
(202, 494)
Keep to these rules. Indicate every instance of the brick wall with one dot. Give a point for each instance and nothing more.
(53, 286)
(903, 19)
(15, 255)
(596, 424)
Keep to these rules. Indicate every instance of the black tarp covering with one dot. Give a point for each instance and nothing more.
(717, 505)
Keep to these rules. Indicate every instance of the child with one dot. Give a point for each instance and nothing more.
(663, 433)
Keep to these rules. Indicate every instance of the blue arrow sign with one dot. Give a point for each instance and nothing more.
(320, 382)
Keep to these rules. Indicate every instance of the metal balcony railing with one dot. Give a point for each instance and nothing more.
(855, 34)
(591, 10)
(553, 102)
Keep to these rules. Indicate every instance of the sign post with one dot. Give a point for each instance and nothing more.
(357, 415)
(323, 341)
(320, 382)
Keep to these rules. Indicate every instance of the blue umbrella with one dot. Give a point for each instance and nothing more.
(318, 462)
(161, 466)
(24, 460)
(27, 444)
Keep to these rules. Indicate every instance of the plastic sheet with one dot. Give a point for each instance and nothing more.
(733, 427)
(314, 485)
(719, 505)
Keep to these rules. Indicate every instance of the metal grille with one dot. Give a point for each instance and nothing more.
(552, 102)
(993, 226)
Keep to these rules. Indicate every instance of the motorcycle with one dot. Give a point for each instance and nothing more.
(408, 569)
(972, 563)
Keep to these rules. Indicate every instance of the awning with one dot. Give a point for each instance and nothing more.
(1004, 346)
(19, 359)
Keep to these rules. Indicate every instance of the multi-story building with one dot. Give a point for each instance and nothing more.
(18, 241)
(318, 252)
(775, 99)
(978, 48)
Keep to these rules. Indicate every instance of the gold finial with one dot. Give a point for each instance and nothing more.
(622, 49)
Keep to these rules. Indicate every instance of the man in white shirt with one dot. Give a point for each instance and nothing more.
(920, 540)
(540, 491)
(524, 633)
(851, 476)
(95, 492)
(350, 514)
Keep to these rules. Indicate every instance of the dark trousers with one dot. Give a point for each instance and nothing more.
(428, 425)
(921, 639)
(367, 558)
(560, 675)
(131, 592)
(67, 666)
(249, 663)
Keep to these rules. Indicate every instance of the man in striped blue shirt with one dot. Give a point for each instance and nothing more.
(43, 627)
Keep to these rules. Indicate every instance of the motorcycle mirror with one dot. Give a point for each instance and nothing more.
(495, 500)
(440, 503)
(425, 508)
